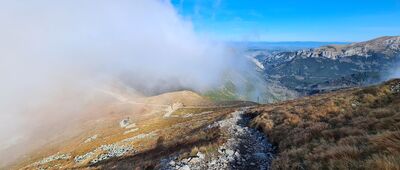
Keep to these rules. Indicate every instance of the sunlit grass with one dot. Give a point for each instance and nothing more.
(350, 129)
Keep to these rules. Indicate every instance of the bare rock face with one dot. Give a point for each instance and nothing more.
(63, 156)
(396, 89)
(384, 45)
(395, 86)
(333, 67)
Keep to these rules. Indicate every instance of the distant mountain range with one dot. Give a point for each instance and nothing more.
(331, 67)
(283, 45)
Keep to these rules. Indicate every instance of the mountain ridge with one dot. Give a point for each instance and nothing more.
(306, 69)
(387, 45)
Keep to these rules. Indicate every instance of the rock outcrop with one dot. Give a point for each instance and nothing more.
(245, 148)
(333, 67)
(389, 46)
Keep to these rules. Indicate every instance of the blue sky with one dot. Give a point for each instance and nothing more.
(292, 20)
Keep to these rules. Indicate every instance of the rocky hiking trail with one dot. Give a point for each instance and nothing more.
(245, 148)
(231, 144)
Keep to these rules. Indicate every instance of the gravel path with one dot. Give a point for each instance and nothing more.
(246, 148)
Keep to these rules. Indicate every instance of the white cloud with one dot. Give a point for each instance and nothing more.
(64, 48)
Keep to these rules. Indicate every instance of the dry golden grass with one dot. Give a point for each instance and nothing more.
(183, 132)
(349, 129)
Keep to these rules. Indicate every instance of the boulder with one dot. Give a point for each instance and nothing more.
(229, 152)
(124, 123)
(185, 167)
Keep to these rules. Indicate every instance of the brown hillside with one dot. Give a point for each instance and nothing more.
(350, 129)
(148, 136)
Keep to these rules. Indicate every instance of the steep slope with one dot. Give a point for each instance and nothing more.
(134, 132)
(249, 85)
(322, 69)
(348, 129)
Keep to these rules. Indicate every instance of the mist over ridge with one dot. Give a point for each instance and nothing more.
(199, 84)
(55, 54)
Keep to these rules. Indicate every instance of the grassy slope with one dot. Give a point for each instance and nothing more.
(350, 129)
(249, 88)
(182, 132)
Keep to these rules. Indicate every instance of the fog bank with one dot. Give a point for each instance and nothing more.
(56, 52)
(392, 72)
